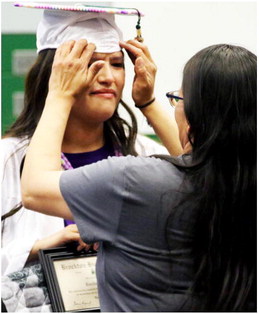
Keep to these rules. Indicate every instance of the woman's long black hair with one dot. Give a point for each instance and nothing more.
(220, 94)
(118, 131)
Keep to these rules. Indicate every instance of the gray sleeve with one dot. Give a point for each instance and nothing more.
(94, 194)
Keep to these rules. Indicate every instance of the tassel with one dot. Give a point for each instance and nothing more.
(138, 28)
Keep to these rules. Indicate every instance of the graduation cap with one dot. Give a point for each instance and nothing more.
(61, 23)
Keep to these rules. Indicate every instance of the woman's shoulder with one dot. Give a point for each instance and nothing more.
(145, 168)
(147, 177)
(13, 150)
(13, 145)
(159, 161)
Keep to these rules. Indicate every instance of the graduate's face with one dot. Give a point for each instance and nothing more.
(101, 98)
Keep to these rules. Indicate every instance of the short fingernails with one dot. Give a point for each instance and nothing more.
(92, 45)
(83, 40)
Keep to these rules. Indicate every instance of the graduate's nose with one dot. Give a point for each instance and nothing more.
(105, 75)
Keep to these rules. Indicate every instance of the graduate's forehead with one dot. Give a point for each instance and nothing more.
(118, 55)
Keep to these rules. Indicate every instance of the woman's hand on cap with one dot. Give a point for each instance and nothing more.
(145, 71)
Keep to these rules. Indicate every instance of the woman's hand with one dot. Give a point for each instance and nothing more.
(70, 73)
(143, 92)
(70, 234)
(64, 236)
(145, 71)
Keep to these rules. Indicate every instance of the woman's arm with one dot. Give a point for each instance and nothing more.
(42, 170)
(41, 174)
(164, 126)
(143, 92)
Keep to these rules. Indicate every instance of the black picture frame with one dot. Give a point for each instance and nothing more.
(50, 259)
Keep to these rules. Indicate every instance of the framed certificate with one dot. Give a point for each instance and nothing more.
(71, 279)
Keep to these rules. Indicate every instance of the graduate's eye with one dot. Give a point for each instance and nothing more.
(118, 64)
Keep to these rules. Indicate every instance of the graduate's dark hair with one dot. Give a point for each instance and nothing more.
(220, 93)
(121, 133)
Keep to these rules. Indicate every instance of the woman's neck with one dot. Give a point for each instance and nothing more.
(79, 139)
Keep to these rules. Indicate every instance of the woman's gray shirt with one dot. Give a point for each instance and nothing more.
(134, 207)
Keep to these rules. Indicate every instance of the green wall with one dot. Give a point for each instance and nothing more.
(18, 54)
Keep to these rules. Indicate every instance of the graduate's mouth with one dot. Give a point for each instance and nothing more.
(104, 93)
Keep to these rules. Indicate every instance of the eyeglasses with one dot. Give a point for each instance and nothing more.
(173, 97)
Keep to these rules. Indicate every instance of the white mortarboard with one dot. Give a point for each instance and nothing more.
(62, 23)
(57, 27)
